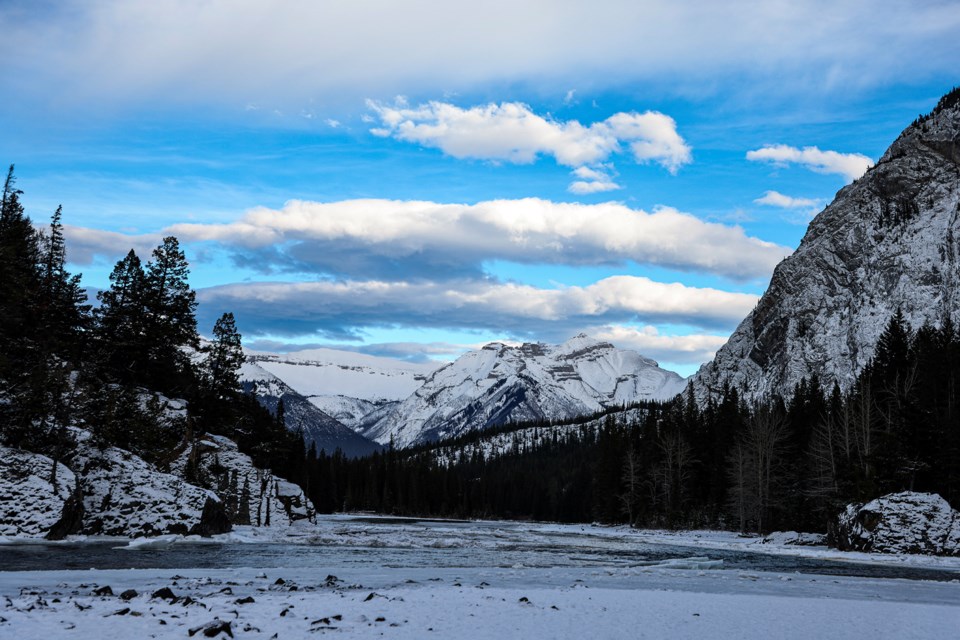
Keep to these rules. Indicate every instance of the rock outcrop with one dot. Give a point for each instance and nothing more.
(249, 495)
(32, 493)
(890, 240)
(123, 495)
(903, 522)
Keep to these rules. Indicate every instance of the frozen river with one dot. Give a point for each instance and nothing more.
(371, 577)
(376, 542)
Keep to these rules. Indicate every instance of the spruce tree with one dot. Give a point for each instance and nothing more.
(224, 358)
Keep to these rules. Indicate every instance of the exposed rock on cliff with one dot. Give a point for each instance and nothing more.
(890, 240)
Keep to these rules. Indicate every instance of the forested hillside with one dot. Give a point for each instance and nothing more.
(113, 367)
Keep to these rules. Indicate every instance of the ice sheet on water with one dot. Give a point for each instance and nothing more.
(697, 563)
(159, 542)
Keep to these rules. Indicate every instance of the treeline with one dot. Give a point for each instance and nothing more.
(111, 367)
(764, 466)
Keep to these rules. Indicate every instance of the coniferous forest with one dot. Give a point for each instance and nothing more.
(778, 465)
(109, 366)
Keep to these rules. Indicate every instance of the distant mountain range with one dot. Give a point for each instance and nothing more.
(358, 402)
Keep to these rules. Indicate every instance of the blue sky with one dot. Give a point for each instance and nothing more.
(414, 179)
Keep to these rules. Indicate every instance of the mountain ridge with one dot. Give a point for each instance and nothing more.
(888, 241)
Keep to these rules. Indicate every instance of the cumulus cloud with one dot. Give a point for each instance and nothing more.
(387, 239)
(592, 180)
(511, 132)
(680, 349)
(339, 309)
(849, 165)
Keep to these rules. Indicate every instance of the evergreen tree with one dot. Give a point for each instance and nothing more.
(224, 358)
(170, 322)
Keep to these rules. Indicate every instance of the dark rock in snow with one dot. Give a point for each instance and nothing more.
(129, 594)
(164, 594)
(71, 518)
(903, 522)
(213, 520)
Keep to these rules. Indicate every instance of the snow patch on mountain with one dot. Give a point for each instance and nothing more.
(326, 373)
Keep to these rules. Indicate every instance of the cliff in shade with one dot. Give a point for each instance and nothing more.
(499, 384)
(890, 240)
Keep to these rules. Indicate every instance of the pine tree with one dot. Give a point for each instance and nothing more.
(169, 316)
(122, 347)
(224, 358)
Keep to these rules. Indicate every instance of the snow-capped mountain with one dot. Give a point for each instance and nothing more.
(500, 383)
(889, 240)
(319, 428)
(347, 386)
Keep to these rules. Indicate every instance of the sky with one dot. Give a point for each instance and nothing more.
(415, 179)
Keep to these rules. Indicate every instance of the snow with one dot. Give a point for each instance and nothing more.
(690, 597)
(29, 503)
(125, 495)
(501, 383)
(226, 471)
(379, 577)
(330, 372)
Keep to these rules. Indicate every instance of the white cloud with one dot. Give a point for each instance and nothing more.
(238, 51)
(593, 180)
(337, 309)
(511, 132)
(849, 165)
(402, 239)
(777, 199)
(681, 349)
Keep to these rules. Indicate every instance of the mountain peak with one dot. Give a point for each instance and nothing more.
(890, 239)
(535, 381)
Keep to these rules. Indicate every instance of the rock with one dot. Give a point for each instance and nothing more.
(129, 594)
(903, 522)
(124, 495)
(213, 628)
(33, 496)
(890, 240)
(164, 594)
(71, 517)
(213, 520)
(103, 591)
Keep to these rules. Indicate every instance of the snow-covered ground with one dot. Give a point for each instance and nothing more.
(383, 577)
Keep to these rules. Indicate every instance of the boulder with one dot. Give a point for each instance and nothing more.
(905, 522)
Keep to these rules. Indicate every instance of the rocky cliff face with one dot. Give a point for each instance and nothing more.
(889, 240)
(499, 384)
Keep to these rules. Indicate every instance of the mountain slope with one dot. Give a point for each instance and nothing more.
(344, 385)
(499, 384)
(889, 240)
(318, 428)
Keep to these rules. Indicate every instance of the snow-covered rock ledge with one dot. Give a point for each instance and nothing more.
(903, 522)
(33, 492)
